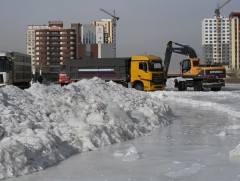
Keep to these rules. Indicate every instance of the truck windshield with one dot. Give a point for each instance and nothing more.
(3, 64)
(155, 65)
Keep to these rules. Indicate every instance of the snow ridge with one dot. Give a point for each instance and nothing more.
(44, 125)
(221, 101)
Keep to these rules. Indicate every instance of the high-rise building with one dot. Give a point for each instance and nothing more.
(235, 41)
(209, 40)
(94, 44)
(92, 34)
(108, 29)
(53, 47)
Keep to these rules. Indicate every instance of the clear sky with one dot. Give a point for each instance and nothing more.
(145, 26)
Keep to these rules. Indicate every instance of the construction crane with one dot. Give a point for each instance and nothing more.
(114, 32)
(219, 30)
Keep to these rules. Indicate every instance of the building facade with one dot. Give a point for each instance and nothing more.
(108, 29)
(209, 41)
(235, 41)
(30, 41)
(94, 44)
(52, 45)
(92, 34)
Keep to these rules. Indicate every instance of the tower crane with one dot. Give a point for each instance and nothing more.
(219, 31)
(114, 25)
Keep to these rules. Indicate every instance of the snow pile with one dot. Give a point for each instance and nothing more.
(235, 152)
(43, 125)
(129, 155)
(132, 155)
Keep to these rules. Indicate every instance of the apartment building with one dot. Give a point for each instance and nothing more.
(209, 40)
(235, 41)
(53, 47)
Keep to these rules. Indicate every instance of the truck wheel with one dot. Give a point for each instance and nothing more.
(216, 89)
(182, 86)
(138, 86)
(197, 86)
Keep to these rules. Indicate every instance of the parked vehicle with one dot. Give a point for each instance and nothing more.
(15, 69)
(194, 74)
(140, 72)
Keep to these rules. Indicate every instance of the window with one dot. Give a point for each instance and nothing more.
(155, 65)
(186, 66)
(143, 66)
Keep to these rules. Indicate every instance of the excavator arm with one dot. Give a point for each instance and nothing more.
(181, 49)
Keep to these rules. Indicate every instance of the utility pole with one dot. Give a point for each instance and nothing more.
(114, 31)
(219, 30)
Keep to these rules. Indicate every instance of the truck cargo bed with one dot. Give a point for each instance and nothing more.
(116, 69)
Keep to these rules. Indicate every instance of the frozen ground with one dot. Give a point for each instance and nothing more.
(202, 139)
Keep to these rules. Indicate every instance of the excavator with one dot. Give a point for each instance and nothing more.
(192, 73)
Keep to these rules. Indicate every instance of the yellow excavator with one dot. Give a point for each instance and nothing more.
(193, 74)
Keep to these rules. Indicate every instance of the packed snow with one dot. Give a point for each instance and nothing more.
(45, 124)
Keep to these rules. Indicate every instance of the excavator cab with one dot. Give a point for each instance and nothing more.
(189, 66)
(185, 66)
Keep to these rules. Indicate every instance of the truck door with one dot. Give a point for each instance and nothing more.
(143, 71)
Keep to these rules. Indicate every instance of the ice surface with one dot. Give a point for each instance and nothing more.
(193, 169)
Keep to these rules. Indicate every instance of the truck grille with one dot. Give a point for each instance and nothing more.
(158, 78)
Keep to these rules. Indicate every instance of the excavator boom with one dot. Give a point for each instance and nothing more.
(181, 49)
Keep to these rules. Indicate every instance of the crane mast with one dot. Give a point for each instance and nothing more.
(219, 30)
(114, 31)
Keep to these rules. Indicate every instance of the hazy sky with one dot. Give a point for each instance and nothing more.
(145, 26)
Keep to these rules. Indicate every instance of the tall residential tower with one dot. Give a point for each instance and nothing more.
(209, 40)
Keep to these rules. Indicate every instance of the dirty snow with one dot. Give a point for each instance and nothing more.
(44, 125)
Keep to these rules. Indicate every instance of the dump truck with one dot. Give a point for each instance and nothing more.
(144, 72)
(15, 69)
(193, 74)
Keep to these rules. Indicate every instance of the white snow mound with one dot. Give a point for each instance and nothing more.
(44, 125)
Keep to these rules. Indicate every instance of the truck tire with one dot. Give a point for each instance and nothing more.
(197, 86)
(182, 86)
(216, 89)
(139, 86)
